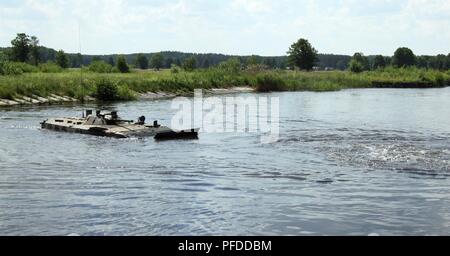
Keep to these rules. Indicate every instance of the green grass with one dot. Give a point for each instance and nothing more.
(75, 83)
(337, 80)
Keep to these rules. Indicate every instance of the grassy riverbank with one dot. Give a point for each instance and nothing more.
(117, 86)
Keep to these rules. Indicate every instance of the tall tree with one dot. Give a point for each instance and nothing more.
(379, 62)
(157, 61)
(62, 59)
(142, 61)
(359, 63)
(111, 61)
(448, 61)
(122, 65)
(363, 60)
(423, 62)
(440, 62)
(301, 54)
(20, 47)
(34, 49)
(404, 57)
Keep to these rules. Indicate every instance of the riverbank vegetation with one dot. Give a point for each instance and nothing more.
(126, 86)
(22, 72)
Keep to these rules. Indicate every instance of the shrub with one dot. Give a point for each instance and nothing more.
(270, 82)
(189, 64)
(50, 67)
(439, 80)
(122, 65)
(175, 69)
(10, 68)
(100, 67)
(16, 68)
(106, 90)
(124, 93)
(356, 66)
(232, 65)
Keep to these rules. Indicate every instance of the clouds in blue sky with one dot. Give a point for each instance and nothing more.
(263, 27)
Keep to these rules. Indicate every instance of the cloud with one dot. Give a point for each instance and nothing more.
(235, 27)
(252, 6)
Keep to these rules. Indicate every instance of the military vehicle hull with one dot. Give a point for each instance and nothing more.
(99, 126)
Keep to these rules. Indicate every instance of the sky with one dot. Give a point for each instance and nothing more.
(238, 27)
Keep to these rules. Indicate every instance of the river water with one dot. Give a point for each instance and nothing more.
(354, 162)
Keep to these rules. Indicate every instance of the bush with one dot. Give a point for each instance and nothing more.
(10, 68)
(16, 68)
(356, 66)
(122, 65)
(439, 80)
(175, 69)
(100, 67)
(189, 64)
(50, 67)
(232, 65)
(124, 93)
(269, 83)
(106, 90)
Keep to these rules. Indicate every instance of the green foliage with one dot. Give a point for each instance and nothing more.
(142, 61)
(270, 62)
(76, 60)
(111, 61)
(62, 59)
(441, 62)
(50, 67)
(253, 60)
(20, 48)
(356, 66)
(301, 54)
(189, 64)
(100, 67)
(379, 62)
(232, 65)
(270, 83)
(34, 50)
(122, 65)
(106, 90)
(404, 57)
(14, 68)
(362, 60)
(255, 69)
(157, 61)
(117, 86)
(10, 69)
(175, 69)
(3, 57)
(112, 90)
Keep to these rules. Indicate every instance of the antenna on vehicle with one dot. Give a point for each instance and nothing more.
(81, 63)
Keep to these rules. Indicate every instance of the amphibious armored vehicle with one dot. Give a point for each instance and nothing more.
(109, 124)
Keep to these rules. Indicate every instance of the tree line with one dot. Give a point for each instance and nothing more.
(301, 54)
(304, 56)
